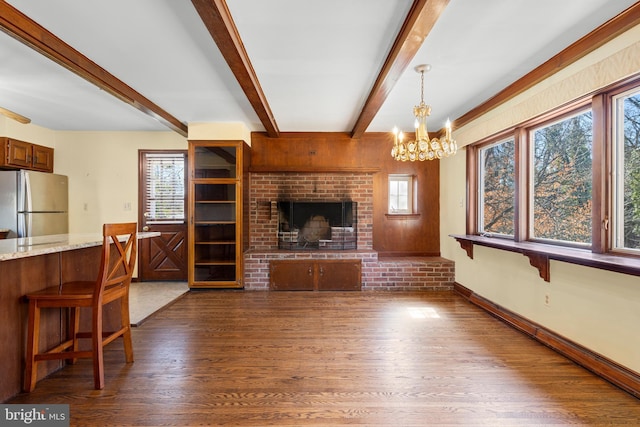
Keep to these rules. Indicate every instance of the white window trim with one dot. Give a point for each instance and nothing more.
(411, 191)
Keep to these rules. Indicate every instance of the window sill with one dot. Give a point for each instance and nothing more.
(539, 255)
(402, 216)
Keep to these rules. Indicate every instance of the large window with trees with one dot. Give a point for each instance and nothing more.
(626, 170)
(561, 179)
(496, 188)
(568, 180)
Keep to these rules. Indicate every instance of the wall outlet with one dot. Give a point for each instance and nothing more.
(547, 300)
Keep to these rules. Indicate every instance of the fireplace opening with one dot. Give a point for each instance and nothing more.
(317, 225)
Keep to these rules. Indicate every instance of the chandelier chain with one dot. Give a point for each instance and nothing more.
(422, 87)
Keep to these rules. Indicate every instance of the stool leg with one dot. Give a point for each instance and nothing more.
(33, 339)
(97, 347)
(74, 324)
(126, 323)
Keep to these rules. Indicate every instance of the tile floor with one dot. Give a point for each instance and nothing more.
(146, 298)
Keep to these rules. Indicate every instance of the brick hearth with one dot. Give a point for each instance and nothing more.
(433, 273)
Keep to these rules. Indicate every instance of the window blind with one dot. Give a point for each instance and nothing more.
(165, 187)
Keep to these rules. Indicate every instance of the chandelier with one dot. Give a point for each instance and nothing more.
(423, 148)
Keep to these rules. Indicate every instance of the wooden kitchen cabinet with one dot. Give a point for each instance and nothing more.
(25, 155)
(216, 215)
(314, 274)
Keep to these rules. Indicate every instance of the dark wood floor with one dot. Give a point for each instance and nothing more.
(334, 358)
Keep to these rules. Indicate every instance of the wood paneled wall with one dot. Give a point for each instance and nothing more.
(417, 235)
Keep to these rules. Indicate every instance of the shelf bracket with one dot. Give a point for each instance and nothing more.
(541, 262)
(467, 245)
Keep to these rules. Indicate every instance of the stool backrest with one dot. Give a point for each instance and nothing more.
(119, 253)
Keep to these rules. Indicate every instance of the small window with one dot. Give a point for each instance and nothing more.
(401, 194)
(164, 192)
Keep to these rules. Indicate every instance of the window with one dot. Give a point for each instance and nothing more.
(574, 183)
(561, 176)
(401, 194)
(496, 193)
(626, 171)
(569, 178)
(164, 194)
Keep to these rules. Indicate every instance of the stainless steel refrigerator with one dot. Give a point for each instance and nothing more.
(34, 203)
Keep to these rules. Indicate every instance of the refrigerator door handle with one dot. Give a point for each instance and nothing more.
(27, 193)
(24, 224)
(24, 192)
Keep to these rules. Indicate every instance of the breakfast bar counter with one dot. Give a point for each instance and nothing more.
(24, 247)
(28, 265)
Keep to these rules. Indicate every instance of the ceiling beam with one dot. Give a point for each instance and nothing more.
(24, 29)
(582, 47)
(15, 116)
(417, 25)
(217, 18)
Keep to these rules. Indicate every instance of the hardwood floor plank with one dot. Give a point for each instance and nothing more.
(333, 358)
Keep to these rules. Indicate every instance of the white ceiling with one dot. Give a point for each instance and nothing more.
(316, 60)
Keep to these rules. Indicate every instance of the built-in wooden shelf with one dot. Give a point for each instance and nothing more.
(539, 254)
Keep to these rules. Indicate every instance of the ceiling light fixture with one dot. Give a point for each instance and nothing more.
(423, 148)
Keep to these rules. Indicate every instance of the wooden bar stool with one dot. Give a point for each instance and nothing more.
(116, 268)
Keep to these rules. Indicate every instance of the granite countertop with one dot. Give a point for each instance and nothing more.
(32, 246)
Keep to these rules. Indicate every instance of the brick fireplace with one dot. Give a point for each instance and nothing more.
(267, 188)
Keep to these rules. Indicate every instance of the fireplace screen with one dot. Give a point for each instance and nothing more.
(317, 225)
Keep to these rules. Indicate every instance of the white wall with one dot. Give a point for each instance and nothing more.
(595, 308)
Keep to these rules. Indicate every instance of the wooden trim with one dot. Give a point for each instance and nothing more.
(599, 179)
(15, 116)
(24, 29)
(600, 365)
(402, 216)
(472, 190)
(392, 256)
(216, 17)
(521, 180)
(311, 169)
(587, 44)
(417, 25)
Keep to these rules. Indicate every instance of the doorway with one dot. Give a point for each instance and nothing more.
(162, 208)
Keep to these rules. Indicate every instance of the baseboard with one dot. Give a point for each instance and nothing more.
(609, 370)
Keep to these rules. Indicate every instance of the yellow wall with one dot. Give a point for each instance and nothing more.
(595, 308)
(29, 132)
(220, 131)
(103, 173)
